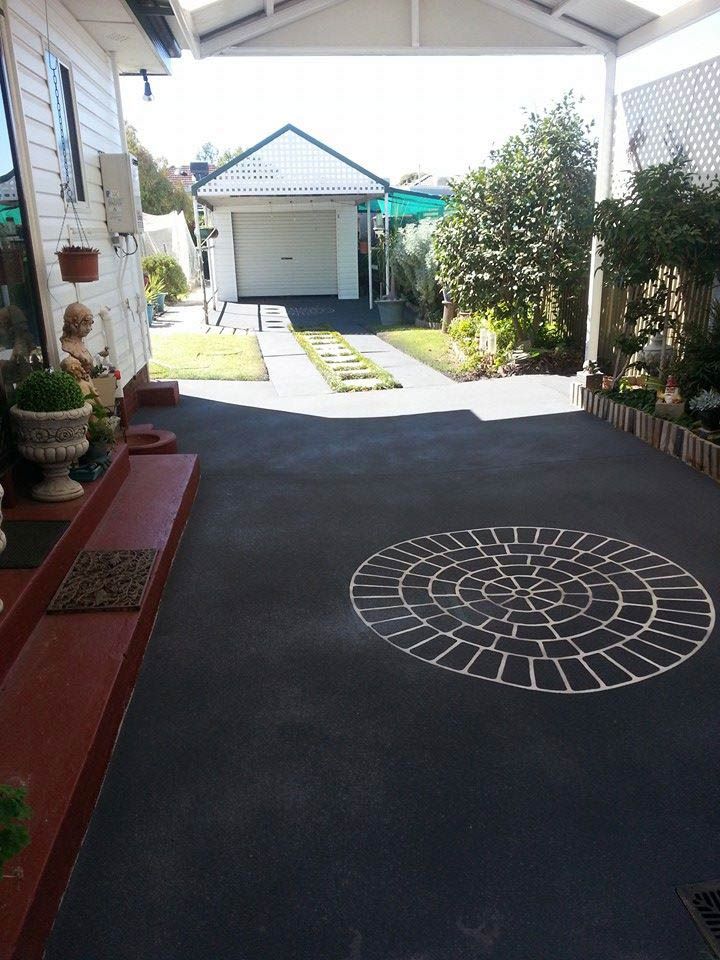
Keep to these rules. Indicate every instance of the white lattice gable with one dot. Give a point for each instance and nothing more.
(290, 163)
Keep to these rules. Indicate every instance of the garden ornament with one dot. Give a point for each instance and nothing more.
(77, 324)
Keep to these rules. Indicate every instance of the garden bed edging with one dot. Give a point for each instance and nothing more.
(664, 435)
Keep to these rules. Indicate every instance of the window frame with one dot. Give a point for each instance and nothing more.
(77, 155)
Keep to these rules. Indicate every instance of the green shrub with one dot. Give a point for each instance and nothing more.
(49, 391)
(697, 366)
(164, 268)
(413, 261)
(640, 399)
(13, 814)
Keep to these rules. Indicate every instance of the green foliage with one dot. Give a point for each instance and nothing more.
(519, 230)
(697, 365)
(101, 425)
(14, 813)
(664, 220)
(412, 257)
(476, 363)
(49, 391)
(640, 399)
(227, 155)
(158, 193)
(208, 152)
(164, 270)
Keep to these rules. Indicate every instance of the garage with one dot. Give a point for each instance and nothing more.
(285, 253)
(285, 219)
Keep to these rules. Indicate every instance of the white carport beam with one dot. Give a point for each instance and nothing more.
(541, 16)
(661, 27)
(603, 189)
(415, 23)
(257, 25)
(269, 7)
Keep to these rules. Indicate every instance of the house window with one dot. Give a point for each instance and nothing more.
(62, 104)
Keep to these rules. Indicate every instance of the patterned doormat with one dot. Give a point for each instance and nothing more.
(703, 904)
(105, 580)
(29, 542)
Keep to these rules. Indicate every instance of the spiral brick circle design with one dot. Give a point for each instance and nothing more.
(561, 611)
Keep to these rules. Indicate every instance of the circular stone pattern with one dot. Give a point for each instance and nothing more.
(546, 609)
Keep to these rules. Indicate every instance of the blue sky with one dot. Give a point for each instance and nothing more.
(391, 114)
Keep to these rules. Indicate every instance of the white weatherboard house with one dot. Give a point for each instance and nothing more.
(60, 111)
(286, 217)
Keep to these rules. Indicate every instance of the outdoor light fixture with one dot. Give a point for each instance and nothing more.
(147, 90)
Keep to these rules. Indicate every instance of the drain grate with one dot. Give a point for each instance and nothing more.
(702, 901)
(105, 580)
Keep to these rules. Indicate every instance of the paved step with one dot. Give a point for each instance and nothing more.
(70, 686)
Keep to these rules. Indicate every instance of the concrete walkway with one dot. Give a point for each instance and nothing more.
(288, 785)
(290, 370)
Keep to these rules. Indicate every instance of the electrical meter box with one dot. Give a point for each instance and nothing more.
(121, 190)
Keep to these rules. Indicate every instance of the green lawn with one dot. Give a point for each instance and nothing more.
(343, 378)
(432, 347)
(206, 356)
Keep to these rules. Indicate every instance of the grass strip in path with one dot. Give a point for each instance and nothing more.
(344, 368)
(205, 356)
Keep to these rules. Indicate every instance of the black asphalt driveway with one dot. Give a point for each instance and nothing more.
(289, 786)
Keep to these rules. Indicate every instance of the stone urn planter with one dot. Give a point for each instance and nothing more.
(53, 441)
(391, 312)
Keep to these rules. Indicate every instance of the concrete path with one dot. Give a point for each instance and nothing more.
(289, 368)
(288, 785)
(406, 369)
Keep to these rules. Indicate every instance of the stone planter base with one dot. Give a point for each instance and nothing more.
(664, 435)
(53, 441)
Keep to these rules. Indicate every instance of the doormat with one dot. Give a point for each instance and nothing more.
(105, 580)
(702, 901)
(29, 542)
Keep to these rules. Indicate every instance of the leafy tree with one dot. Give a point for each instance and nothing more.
(227, 155)
(158, 193)
(208, 151)
(518, 231)
(663, 233)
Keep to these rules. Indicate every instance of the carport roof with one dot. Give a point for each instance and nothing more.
(253, 27)
(290, 163)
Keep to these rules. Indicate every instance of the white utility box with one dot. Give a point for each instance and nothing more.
(121, 190)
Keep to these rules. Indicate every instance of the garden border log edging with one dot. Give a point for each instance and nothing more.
(664, 435)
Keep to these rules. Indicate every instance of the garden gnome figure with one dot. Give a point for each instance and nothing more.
(77, 324)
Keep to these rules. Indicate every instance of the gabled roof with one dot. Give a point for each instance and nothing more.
(289, 162)
(343, 27)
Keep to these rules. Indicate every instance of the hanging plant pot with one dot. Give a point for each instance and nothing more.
(12, 265)
(78, 264)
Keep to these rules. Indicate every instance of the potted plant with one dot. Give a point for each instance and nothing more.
(100, 433)
(706, 405)
(14, 814)
(153, 289)
(50, 419)
(78, 264)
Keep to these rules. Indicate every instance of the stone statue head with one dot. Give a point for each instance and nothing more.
(74, 368)
(77, 321)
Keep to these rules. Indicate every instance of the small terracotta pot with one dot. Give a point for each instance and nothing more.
(79, 266)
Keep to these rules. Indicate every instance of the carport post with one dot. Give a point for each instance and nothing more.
(387, 244)
(603, 189)
(368, 218)
(198, 245)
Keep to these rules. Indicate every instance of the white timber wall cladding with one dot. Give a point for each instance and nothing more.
(224, 256)
(675, 114)
(347, 252)
(120, 285)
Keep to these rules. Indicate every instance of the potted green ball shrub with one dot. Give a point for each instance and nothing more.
(50, 419)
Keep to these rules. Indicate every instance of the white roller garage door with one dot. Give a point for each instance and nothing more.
(285, 254)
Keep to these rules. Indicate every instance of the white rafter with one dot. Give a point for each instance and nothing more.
(269, 7)
(669, 23)
(258, 25)
(559, 9)
(541, 16)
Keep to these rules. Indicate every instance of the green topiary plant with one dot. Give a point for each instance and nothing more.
(164, 268)
(14, 812)
(49, 391)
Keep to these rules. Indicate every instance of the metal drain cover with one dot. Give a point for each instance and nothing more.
(703, 904)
